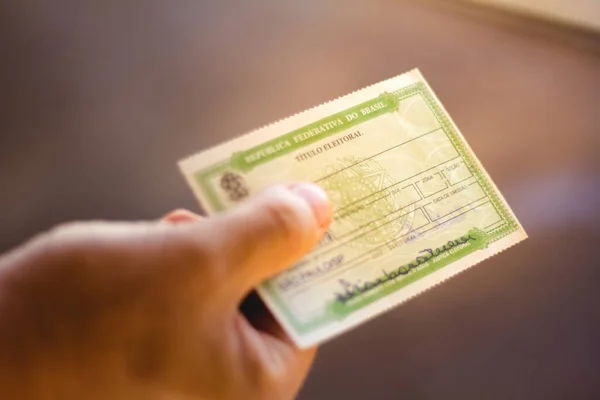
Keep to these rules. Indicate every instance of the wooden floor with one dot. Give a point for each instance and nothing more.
(100, 102)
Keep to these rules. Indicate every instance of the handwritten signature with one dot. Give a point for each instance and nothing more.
(351, 290)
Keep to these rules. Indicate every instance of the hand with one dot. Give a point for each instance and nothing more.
(152, 310)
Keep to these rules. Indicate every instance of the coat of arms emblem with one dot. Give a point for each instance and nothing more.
(234, 185)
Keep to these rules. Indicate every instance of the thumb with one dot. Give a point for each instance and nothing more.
(269, 232)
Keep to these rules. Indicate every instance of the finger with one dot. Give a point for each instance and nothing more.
(258, 315)
(269, 232)
(181, 216)
(299, 366)
(284, 365)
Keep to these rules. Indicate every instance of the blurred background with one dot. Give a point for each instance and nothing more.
(100, 99)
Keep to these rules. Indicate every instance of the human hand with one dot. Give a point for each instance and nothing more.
(152, 310)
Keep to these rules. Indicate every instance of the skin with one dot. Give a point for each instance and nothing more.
(157, 310)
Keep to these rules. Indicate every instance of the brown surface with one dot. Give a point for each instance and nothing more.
(99, 102)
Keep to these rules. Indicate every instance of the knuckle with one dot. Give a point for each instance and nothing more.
(63, 236)
(57, 247)
(64, 230)
(197, 256)
(72, 238)
(193, 251)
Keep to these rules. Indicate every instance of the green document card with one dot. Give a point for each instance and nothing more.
(413, 206)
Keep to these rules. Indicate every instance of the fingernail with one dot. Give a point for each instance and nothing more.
(317, 199)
